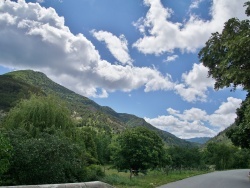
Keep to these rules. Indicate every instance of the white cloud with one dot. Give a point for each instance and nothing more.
(195, 4)
(193, 114)
(171, 58)
(180, 128)
(34, 37)
(196, 122)
(195, 84)
(117, 46)
(161, 35)
(225, 115)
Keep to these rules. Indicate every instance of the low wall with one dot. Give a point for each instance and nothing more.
(93, 184)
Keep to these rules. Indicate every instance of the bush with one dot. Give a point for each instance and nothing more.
(94, 172)
(44, 160)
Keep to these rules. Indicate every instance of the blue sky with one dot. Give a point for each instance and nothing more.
(136, 56)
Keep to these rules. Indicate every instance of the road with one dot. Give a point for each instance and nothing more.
(221, 179)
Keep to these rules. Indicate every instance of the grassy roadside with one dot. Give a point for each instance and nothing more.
(152, 179)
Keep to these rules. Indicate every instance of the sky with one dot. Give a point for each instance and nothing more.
(136, 56)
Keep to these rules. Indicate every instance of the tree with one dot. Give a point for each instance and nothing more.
(137, 149)
(44, 160)
(228, 59)
(225, 156)
(240, 134)
(5, 154)
(241, 159)
(185, 157)
(103, 140)
(248, 8)
(227, 55)
(220, 155)
(40, 114)
(85, 138)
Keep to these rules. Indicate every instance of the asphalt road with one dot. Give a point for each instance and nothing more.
(221, 179)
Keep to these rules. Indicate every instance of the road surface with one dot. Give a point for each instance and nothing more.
(221, 179)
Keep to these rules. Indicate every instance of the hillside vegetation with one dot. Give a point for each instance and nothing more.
(84, 109)
(221, 137)
(12, 90)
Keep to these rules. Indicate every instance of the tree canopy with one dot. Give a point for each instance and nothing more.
(185, 157)
(5, 154)
(227, 56)
(47, 159)
(137, 149)
(40, 114)
(240, 134)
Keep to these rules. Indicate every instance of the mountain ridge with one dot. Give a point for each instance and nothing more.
(199, 140)
(88, 110)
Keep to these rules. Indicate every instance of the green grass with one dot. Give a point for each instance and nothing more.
(152, 179)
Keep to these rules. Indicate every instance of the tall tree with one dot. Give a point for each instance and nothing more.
(227, 55)
(40, 114)
(240, 134)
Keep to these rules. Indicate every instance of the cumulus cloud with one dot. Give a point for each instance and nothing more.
(180, 128)
(34, 37)
(195, 84)
(195, 122)
(161, 35)
(171, 58)
(225, 115)
(117, 46)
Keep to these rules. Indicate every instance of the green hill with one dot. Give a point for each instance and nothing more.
(83, 109)
(221, 137)
(12, 90)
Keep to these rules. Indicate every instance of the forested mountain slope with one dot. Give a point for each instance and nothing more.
(28, 81)
(221, 137)
(12, 90)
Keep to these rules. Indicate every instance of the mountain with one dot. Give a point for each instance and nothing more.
(221, 137)
(12, 90)
(199, 140)
(28, 81)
